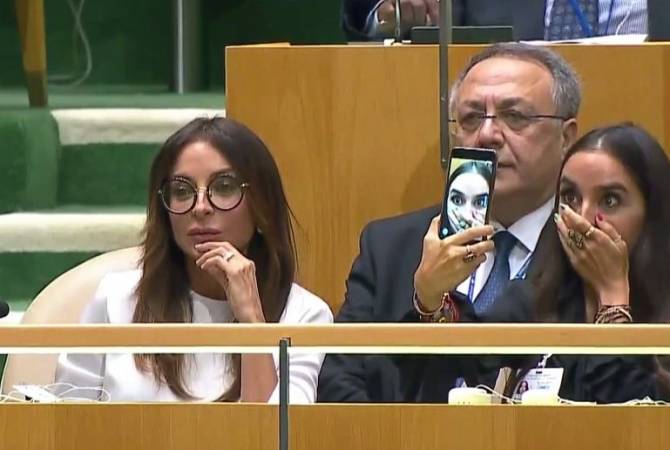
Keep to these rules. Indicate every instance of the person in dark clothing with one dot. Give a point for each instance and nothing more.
(601, 259)
(530, 19)
(521, 101)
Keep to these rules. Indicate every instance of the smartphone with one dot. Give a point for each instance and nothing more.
(471, 176)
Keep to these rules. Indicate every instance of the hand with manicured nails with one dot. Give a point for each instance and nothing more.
(602, 262)
(237, 275)
(442, 267)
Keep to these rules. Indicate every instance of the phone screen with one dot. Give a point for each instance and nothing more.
(467, 197)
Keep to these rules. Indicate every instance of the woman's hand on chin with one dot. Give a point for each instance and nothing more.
(237, 275)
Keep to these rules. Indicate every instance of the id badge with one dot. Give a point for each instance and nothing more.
(541, 378)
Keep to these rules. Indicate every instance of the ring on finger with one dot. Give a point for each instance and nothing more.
(469, 254)
(228, 256)
(589, 232)
(577, 238)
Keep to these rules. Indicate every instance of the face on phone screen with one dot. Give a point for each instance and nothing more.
(467, 196)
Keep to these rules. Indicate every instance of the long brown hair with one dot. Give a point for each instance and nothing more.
(163, 292)
(647, 163)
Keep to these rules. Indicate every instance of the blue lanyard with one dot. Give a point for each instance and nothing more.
(520, 275)
(584, 24)
(609, 17)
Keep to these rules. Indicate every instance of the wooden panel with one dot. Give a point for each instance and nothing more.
(176, 426)
(426, 338)
(354, 129)
(332, 427)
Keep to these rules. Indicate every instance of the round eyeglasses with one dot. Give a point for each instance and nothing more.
(179, 195)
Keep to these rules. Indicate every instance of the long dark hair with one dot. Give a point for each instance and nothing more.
(479, 167)
(646, 162)
(163, 293)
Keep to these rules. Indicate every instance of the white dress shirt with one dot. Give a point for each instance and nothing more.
(207, 375)
(527, 231)
(628, 16)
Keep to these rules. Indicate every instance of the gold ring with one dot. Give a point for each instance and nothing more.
(577, 238)
(589, 232)
(469, 254)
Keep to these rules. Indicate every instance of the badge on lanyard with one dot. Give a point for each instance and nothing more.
(541, 378)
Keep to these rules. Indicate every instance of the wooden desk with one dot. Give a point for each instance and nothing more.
(354, 129)
(336, 427)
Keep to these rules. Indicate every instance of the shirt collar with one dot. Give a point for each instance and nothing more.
(528, 228)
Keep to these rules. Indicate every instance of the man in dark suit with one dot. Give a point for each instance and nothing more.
(522, 101)
(373, 19)
(526, 16)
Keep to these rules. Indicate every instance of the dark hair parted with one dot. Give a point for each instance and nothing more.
(163, 293)
(479, 167)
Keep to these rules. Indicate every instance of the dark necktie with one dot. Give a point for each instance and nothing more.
(499, 277)
(564, 21)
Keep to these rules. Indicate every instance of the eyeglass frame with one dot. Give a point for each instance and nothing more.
(531, 117)
(243, 186)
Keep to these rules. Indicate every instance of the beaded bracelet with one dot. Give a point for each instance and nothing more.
(613, 314)
(446, 312)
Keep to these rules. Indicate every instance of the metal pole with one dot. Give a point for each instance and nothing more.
(398, 29)
(284, 344)
(179, 46)
(445, 40)
(187, 45)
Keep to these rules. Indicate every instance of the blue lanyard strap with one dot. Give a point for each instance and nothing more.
(583, 23)
(609, 18)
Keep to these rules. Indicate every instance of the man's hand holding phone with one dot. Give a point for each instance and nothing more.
(457, 241)
(444, 264)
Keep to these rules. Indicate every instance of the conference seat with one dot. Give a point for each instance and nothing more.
(61, 302)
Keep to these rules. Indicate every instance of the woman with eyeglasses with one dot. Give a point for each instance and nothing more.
(218, 248)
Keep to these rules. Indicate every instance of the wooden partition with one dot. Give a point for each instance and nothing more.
(29, 345)
(468, 338)
(355, 129)
(332, 427)
(200, 426)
